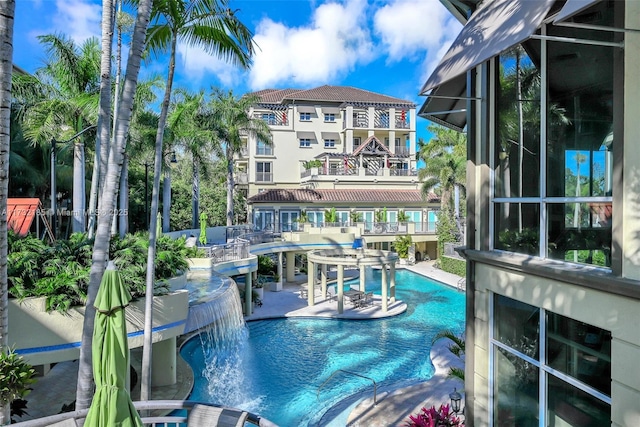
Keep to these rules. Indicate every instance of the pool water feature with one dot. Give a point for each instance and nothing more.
(277, 368)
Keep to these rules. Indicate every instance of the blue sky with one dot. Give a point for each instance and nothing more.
(389, 47)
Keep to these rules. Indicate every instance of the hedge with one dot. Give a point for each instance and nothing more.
(453, 265)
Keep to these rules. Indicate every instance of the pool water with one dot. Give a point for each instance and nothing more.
(276, 367)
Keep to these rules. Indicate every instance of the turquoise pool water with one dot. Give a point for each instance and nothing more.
(276, 367)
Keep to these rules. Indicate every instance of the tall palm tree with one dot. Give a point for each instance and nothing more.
(445, 164)
(190, 132)
(210, 25)
(233, 123)
(64, 96)
(7, 9)
(107, 199)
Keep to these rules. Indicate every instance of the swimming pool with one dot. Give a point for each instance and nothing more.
(277, 366)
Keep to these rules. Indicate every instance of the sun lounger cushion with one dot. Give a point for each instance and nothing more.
(211, 416)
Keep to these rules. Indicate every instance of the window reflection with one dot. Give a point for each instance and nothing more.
(515, 391)
(518, 227)
(569, 406)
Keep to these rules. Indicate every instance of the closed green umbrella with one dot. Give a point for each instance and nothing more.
(111, 405)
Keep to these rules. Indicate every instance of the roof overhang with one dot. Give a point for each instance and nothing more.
(496, 26)
(446, 105)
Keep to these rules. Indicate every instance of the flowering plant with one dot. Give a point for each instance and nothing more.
(441, 417)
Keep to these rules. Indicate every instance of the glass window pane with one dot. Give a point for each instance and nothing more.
(580, 119)
(580, 350)
(516, 325)
(517, 227)
(518, 112)
(569, 406)
(580, 233)
(515, 391)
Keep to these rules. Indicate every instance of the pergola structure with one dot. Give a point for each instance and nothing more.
(355, 258)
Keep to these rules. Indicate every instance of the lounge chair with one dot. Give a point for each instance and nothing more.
(331, 294)
(212, 416)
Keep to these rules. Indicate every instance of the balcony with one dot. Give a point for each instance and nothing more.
(241, 178)
(264, 176)
(402, 151)
(276, 118)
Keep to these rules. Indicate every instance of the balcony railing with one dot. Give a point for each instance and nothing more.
(178, 411)
(402, 151)
(241, 178)
(237, 250)
(403, 172)
(264, 176)
(360, 119)
(277, 118)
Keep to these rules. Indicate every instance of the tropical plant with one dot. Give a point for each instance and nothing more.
(107, 199)
(266, 265)
(445, 167)
(188, 125)
(331, 216)
(7, 10)
(62, 104)
(402, 216)
(402, 245)
(355, 217)
(381, 215)
(15, 376)
(231, 121)
(315, 163)
(432, 417)
(303, 218)
(457, 348)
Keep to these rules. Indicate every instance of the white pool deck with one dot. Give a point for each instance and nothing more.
(393, 408)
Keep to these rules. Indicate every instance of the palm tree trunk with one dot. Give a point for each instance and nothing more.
(77, 219)
(7, 9)
(195, 196)
(123, 218)
(166, 200)
(104, 112)
(145, 391)
(84, 390)
(230, 185)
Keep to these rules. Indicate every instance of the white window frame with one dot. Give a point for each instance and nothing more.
(305, 117)
(329, 117)
(305, 142)
(329, 143)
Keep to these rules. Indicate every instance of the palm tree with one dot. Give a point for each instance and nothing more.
(187, 123)
(7, 9)
(107, 200)
(64, 103)
(445, 166)
(457, 348)
(232, 122)
(207, 24)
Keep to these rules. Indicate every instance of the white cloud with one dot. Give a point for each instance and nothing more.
(79, 19)
(409, 27)
(333, 42)
(197, 62)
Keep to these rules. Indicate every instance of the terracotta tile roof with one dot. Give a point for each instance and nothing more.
(326, 93)
(341, 196)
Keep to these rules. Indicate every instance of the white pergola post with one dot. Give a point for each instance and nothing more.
(323, 280)
(340, 285)
(385, 291)
(312, 272)
(291, 267)
(362, 278)
(392, 285)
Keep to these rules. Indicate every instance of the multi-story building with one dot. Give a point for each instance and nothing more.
(548, 92)
(340, 148)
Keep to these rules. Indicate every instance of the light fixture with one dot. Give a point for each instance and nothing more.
(455, 401)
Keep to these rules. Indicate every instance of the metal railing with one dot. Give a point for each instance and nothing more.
(375, 386)
(236, 250)
(158, 406)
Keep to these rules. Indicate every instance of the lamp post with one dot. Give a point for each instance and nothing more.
(455, 401)
(54, 190)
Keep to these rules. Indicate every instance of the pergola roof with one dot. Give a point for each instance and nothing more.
(325, 196)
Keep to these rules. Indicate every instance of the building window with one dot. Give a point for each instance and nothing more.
(329, 117)
(269, 118)
(264, 172)
(263, 149)
(573, 367)
(329, 143)
(563, 211)
(356, 141)
(305, 117)
(305, 142)
(263, 220)
(316, 218)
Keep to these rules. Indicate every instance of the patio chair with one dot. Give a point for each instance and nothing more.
(367, 299)
(212, 416)
(331, 294)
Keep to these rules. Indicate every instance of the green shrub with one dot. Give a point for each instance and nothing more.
(453, 265)
(266, 265)
(15, 376)
(402, 245)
